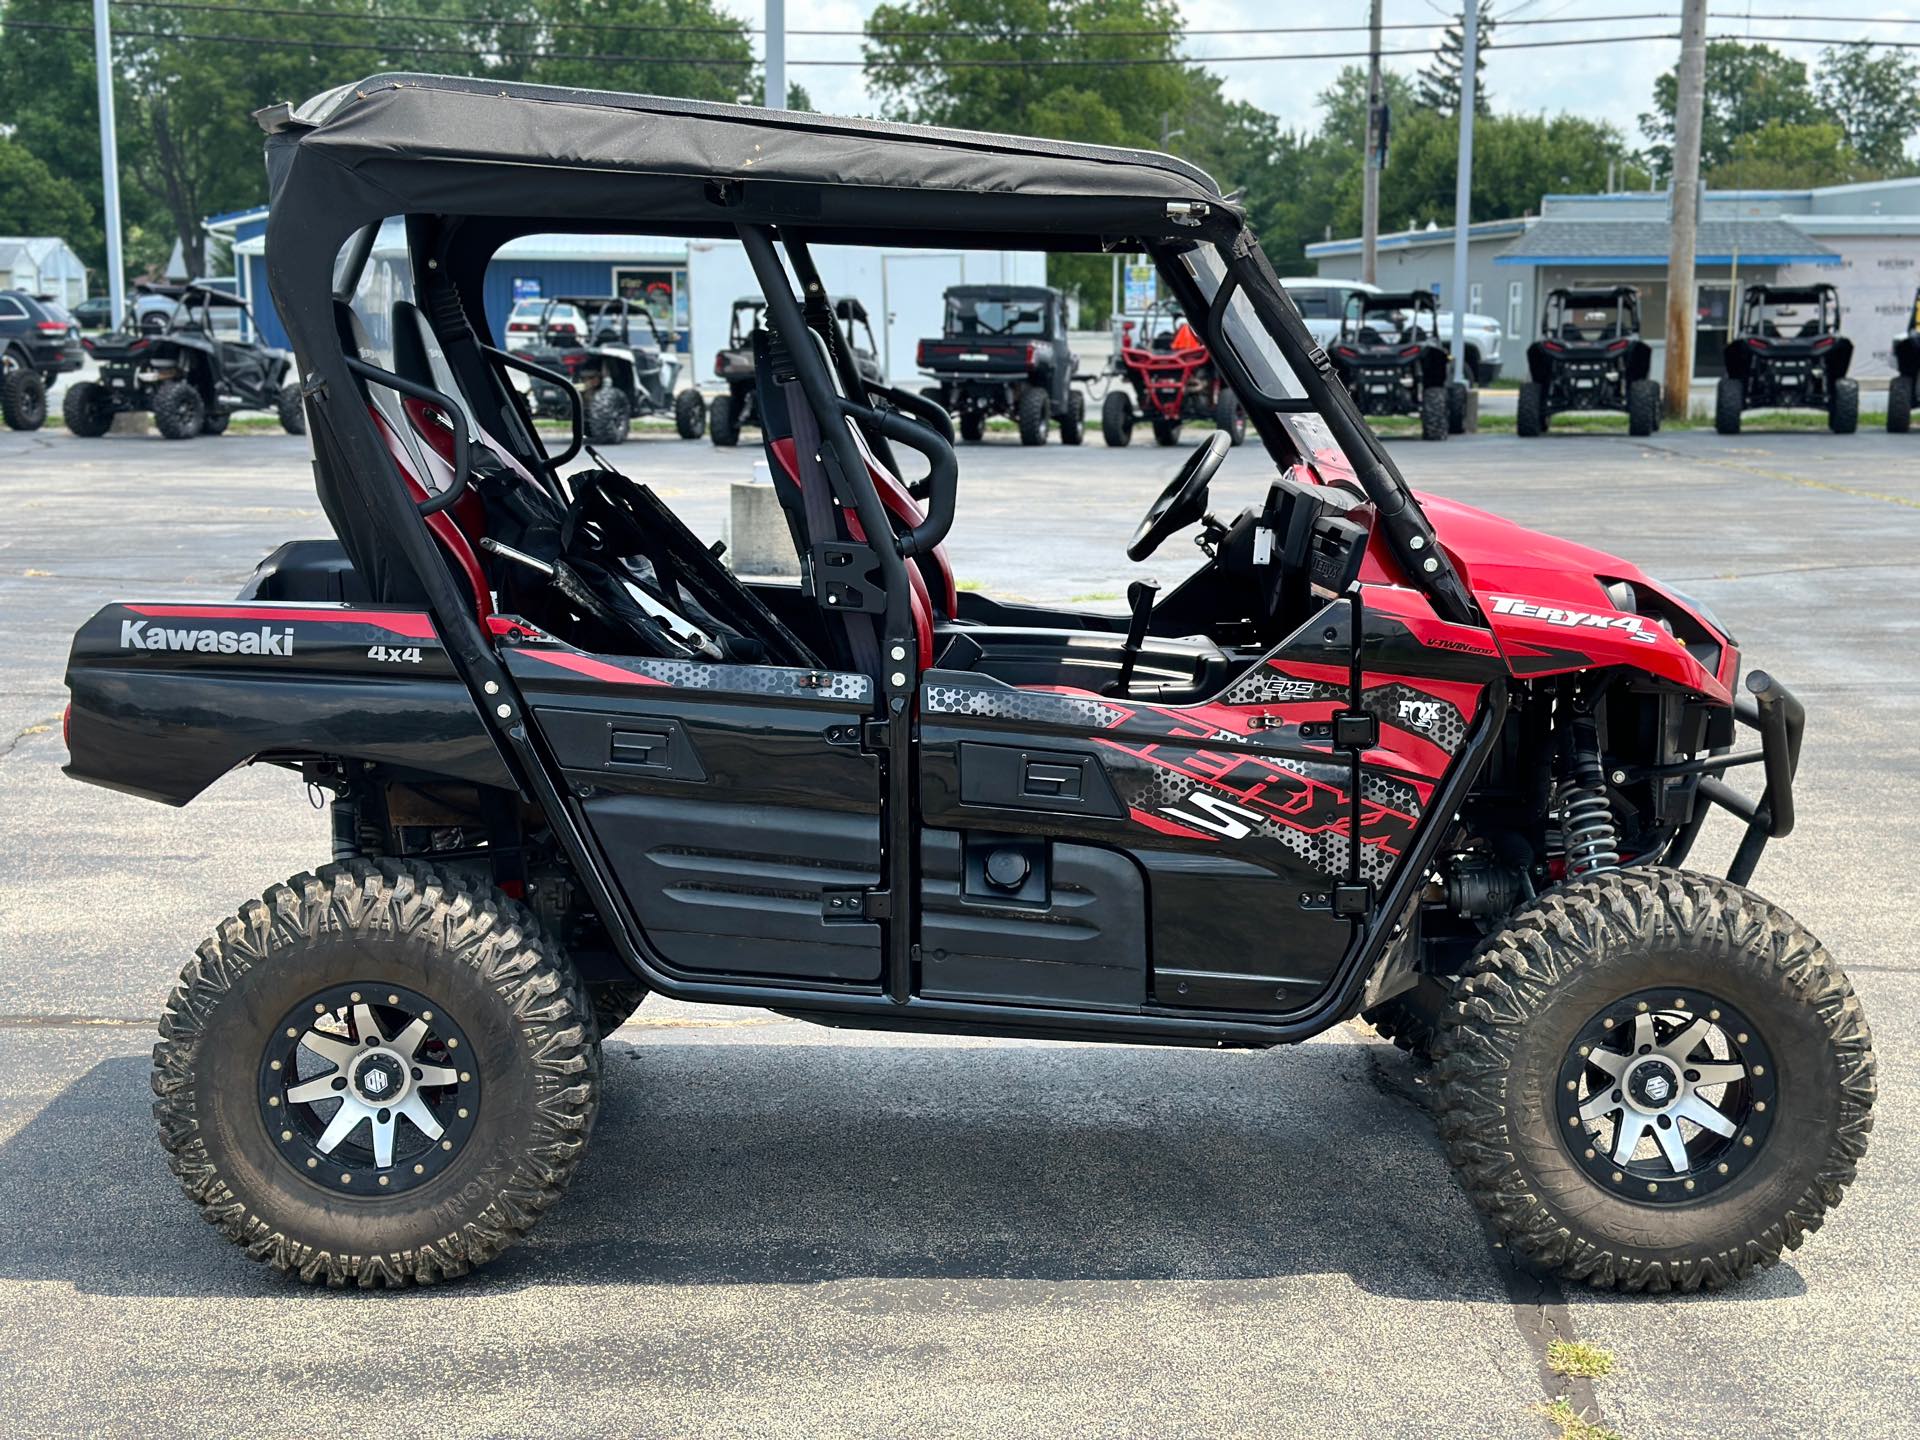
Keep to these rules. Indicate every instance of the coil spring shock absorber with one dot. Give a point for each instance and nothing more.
(1586, 817)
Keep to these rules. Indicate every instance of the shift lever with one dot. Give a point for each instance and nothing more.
(1140, 597)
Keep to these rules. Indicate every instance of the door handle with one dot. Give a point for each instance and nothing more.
(1059, 781)
(639, 748)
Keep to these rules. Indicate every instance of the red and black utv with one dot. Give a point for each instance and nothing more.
(1589, 357)
(1389, 356)
(1166, 374)
(728, 413)
(1906, 373)
(1377, 754)
(1787, 352)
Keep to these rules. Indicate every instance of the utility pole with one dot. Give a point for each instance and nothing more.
(1684, 203)
(776, 54)
(109, 160)
(1370, 195)
(1463, 184)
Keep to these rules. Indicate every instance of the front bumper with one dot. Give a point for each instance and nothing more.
(1770, 708)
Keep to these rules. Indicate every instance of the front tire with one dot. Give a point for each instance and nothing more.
(609, 417)
(1643, 407)
(1900, 404)
(275, 1008)
(1228, 416)
(1031, 412)
(1588, 1035)
(690, 414)
(87, 409)
(1530, 413)
(178, 411)
(973, 427)
(722, 428)
(1433, 413)
(23, 399)
(1166, 432)
(216, 422)
(1843, 414)
(1116, 419)
(1729, 396)
(1073, 424)
(1456, 408)
(293, 414)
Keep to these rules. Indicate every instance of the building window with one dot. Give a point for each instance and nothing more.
(1475, 299)
(1516, 303)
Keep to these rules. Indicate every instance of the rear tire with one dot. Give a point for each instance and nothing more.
(1643, 407)
(1116, 419)
(722, 429)
(178, 411)
(293, 414)
(1456, 408)
(973, 427)
(1166, 432)
(226, 1073)
(1433, 413)
(1525, 1024)
(690, 414)
(1073, 424)
(1729, 396)
(1530, 414)
(23, 399)
(1843, 414)
(1031, 412)
(1900, 404)
(87, 409)
(609, 417)
(216, 422)
(1228, 416)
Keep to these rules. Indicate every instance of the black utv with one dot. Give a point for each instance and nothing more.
(185, 362)
(727, 414)
(1590, 357)
(1787, 352)
(1370, 756)
(1906, 376)
(622, 368)
(1004, 351)
(1389, 356)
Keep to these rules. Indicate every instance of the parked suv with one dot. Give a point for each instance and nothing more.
(38, 343)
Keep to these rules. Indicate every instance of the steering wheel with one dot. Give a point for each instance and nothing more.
(1184, 501)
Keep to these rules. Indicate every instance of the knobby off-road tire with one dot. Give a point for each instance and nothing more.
(609, 417)
(973, 427)
(1536, 988)
(1433, 413)
(178, 411)
(1411, 1019)
(1530, 412)
(481, 963)
(721, 428)
(1843, 414)
(1643, 407)
(1456, 408)
(1073, 424)
(1729, 396)
(23, 399)
(87, 409)
(614, 1003)
(1228, 416)
(216, 422)
(1900, 404)
(690, 414)
(1166, 432)
(293, 414)
(1031, 410)
(1116, 419)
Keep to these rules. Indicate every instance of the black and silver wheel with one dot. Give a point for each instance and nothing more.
(1654, 1080)
(178, 411)
(376, 1074)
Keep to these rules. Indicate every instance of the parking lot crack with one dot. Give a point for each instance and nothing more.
(38, 727)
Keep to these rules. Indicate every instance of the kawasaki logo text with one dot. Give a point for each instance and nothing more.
(1633, 625)
(139, 635)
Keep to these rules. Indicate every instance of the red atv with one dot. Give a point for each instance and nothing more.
(1170, 378)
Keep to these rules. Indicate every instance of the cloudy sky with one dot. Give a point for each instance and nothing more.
(1612, 81)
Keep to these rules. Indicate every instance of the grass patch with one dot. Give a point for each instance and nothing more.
(1091, 596)
(1575, 1426)
(969, 585)
(1579, 1359)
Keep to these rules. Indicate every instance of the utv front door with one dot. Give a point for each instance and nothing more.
(733, 805)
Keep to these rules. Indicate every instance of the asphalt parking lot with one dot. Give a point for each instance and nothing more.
(784, 1230)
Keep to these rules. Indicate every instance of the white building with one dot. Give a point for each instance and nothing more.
(42, 265)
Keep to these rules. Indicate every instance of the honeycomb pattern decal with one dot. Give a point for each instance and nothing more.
(1043, 707)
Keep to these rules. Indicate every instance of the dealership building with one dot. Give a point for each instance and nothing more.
(1862, 239)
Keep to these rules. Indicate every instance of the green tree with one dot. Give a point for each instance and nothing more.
(1791, 157)
(1747, 87)
(35, 201)
(1439, 82)
(1874, 98)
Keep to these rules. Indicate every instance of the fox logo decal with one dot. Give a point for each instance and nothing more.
(139, 635)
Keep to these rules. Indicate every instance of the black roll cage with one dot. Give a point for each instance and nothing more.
(1757, 298)
(1624, 299)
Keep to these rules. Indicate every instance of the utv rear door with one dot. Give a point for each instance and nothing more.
(732, 805)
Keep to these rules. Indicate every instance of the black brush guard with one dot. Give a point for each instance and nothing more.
(1770, 708)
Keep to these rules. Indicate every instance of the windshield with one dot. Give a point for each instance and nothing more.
(970, 315)
(1795, 321)
(1593, 322)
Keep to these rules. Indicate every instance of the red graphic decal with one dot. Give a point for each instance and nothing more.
(593, 669)
(413, 624)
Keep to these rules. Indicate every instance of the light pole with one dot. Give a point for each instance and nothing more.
(776, 54)
(1370, 176)
(109, 159)
(1463, 184)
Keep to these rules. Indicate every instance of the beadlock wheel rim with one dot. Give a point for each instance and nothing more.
(368, 1089)
(1666, 1096)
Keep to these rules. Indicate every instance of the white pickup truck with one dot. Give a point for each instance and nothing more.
(1321, 299)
